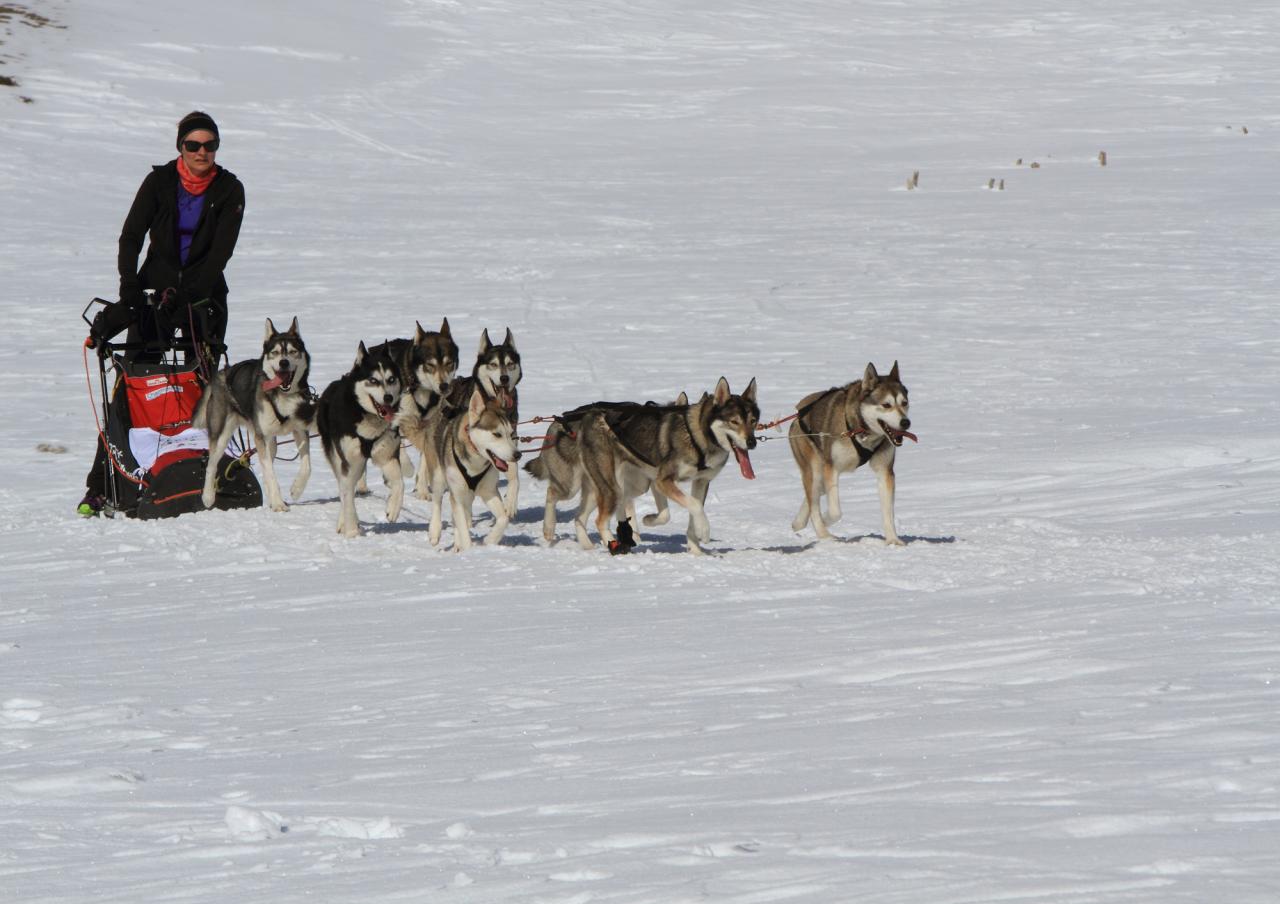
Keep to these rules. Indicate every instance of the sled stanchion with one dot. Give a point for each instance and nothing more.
(112, 467)
(108, 478)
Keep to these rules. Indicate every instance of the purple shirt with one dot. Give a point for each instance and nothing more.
(189, 209)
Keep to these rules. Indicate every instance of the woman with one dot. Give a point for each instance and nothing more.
(190, 209)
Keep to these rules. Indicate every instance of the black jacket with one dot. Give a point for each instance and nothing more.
(154, 214)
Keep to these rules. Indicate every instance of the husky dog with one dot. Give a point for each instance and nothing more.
(496, 372)
(625, 450)
(560, 464)
(269, 395)
(355, 417)
(469, 449)
(842, 429)
(428, 365)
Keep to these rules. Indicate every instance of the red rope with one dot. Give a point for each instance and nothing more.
(772, 424)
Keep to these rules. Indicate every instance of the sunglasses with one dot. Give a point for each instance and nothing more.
(192, 146)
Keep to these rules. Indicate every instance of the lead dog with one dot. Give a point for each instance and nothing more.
(626, 450)
(355, 418)
(467, 452)
(841, 429)
(270, 396)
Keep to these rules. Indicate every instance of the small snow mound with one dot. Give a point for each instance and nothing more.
(461, 880)
(18, 709)
(339, 827)
(458, 831)
(246, 824)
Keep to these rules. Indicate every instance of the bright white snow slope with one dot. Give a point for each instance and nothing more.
(1065, 688)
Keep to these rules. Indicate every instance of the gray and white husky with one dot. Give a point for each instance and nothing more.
(270, 396)
(560, 464)
(841, 429)
(428, 365)
(467, 451)
(626, 450)
(496, 372)
(356, 419)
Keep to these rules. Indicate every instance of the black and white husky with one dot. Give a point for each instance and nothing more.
(496, 373)
(270, 396)
(356, 420)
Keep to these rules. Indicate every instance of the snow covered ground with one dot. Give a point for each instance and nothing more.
(1063, 689)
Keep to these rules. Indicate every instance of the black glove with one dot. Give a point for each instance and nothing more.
(132, 297)
(108, 322)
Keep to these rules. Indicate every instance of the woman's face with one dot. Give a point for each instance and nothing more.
(199, 161)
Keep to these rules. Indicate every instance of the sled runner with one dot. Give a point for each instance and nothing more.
(155, 463)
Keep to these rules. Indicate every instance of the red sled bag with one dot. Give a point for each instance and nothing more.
(163, 456)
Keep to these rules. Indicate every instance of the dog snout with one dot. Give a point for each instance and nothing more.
(444, 386)
(285, 364)
(387, 398)
(906, 423)
(505, 379)
(517, 458)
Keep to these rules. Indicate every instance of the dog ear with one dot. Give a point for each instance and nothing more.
(750, 392)
(870, 378)
(475, 407)
(420, 335)
(682, 399)
(293, 327)
(722, 391)
(893, 374)
(444, 328)
(271, 330)
(360, 353)
(485, 344)
(510, 340)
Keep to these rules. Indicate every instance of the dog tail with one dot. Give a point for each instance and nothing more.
(537, 468)
(199, 417)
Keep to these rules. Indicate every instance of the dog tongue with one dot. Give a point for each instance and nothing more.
(744, 463)
(499, 463)
(271, 384)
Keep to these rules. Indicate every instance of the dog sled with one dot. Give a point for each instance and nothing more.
(155, 460)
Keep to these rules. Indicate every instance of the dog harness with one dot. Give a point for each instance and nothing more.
(864, 454)
(473, 481)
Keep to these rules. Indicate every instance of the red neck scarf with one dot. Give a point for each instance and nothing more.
(195, 185)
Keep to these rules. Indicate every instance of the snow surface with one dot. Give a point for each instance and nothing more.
(1063, 689)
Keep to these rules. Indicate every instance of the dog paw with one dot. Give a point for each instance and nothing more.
(893, 541)
(656, 519)
(208, 499)
(278, 505)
